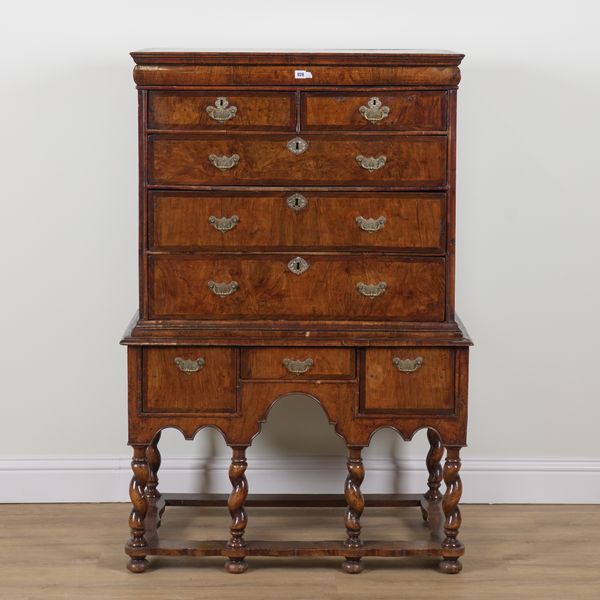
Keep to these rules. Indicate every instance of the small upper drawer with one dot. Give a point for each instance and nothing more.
(408, 379)
(298, 363)
(269, 111)
(375, 111)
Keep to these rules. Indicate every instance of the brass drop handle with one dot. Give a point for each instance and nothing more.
(374, 111)
(223, 289)
(297, 367)
(224, 224)
(407, 365)
(221, 111)
(371, 290)
(224, 163)
(189, 366)
(371, 225)
(371, 163)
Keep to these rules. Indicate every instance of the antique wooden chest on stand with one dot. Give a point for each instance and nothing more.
(297, 219)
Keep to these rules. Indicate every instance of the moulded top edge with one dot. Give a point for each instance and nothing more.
(365, 56)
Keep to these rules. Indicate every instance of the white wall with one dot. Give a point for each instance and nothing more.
(528, 244)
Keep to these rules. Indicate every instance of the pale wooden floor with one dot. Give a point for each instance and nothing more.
(513, 552)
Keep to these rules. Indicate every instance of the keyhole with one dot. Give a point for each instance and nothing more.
(220, 101)
(297, 265)
(297, 145)
(296, 202)
(373, 102)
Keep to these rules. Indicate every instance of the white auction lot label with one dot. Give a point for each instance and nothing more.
(301, 74)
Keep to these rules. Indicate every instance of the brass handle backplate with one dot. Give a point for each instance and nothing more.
(371, 225)
(224, 224)
(189, 366)
(371, 163)
(224, 162)
(223, 289)
(221, 111)
(371, 290)
(374, 111)
(407, 365)
(297, 367)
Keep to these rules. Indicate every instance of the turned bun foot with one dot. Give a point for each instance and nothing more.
(236, 565)
(352, 566)
(138, 565)
(451, 566)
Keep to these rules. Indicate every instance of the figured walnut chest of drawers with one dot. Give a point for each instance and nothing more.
(297, 225)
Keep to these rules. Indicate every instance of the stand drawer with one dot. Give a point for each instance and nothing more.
(189, 379)
(402, 221)
(298, 363)
(408, 379)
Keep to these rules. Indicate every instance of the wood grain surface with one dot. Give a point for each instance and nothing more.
(412, 161)
(514, 552)
(327, 289)
(414, 222)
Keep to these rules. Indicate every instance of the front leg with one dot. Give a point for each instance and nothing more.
(434, 467)
(153, 457)
(356, 505)
(452, 548)
(137, 541)
(236, 501)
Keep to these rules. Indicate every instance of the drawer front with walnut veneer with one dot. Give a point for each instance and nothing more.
(268, 111)
(191, 379)
(396, 221)
(297, 235)
(382, 110)
(284, 286)
(298, 363)
(250, 159)
(408, 379)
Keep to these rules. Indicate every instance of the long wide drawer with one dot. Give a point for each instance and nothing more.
(276, 159)
(304, 221)
(287, 287)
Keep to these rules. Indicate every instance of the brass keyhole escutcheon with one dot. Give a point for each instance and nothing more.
(297, 202)
(298, 265)
(297, 145)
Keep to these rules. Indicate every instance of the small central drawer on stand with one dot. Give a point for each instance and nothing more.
(298, 363)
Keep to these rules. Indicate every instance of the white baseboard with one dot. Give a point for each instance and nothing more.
(542, 481)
